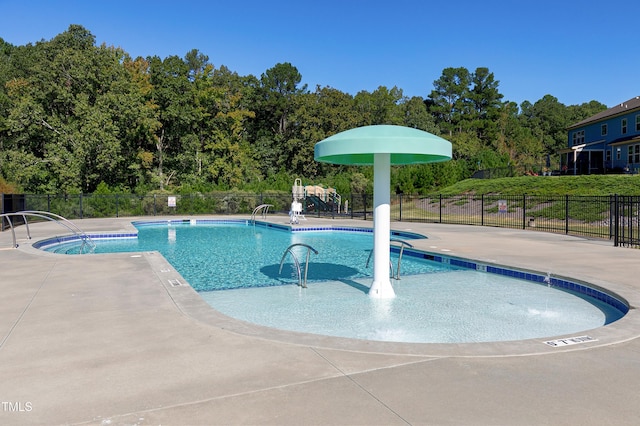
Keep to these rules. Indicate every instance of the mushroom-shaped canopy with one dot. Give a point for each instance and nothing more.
(406, 146)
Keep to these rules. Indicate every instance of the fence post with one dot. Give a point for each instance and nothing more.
(351, 198)
(629, 239)
(440, 207)
(334, 206)
(524, 211)
(80, 202)
(117, 212)
(364, 202)
(611, 201)
(616, 215)
(400, 213)
(482, 210)
(154, 205)
(566, 214)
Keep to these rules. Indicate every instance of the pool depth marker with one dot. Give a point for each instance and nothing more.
(382, 146)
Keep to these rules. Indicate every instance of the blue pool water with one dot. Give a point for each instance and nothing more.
(226, 256)
(436, 302)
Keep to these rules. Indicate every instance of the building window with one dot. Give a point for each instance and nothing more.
(603, 129)
(624, 126)
(637, 123)
(578, 137)
(634, 154)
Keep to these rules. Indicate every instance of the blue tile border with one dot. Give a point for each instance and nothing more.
(141, 223)
(573, 286)
(43, 244)
(404, 234)
(332, 228)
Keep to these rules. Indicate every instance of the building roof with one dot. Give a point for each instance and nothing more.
(624, 107)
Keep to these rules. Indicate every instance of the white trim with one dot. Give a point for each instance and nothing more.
(627, 142)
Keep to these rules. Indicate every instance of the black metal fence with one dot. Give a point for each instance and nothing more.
(608, 217)
(626, 212)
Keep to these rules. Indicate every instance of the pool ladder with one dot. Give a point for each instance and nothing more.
(310, 249)
(265, 210)
(403, 244)
(87, 245)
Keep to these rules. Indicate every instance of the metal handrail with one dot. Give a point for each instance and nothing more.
(53, 218)
(295, 259)
(265, 210)
(403, 244)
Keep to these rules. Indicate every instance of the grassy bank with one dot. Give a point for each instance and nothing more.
(549, 185)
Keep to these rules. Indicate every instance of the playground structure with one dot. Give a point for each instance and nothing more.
(323, 198)
(312, 198)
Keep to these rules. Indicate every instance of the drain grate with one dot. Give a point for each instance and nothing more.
(175, 283)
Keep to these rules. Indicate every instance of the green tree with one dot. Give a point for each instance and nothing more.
(547, 120)
(232, 164)
(198, 64)
(508, 130)
(449, 99)
(486, 102)
(279, 88)
(138, 123)
(317, 115)
(74, 116)
(6, 73)
(577, 113)
(274, 99)
(382, 106)
(56, 114)
(177, 113)
(416, 115)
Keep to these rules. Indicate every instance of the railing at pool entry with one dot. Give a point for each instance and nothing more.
(310, 249)
(265, 211)
(402, 244)
(86, 240)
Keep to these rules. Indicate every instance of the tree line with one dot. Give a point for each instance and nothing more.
(80, 118)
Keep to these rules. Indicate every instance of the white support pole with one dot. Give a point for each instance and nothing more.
(381, 286)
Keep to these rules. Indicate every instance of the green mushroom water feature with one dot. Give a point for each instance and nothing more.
(382, 146)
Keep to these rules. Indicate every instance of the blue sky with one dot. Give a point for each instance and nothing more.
(577, 51)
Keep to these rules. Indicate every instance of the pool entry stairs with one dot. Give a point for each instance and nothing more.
(301, 282)
(402, 245)
(263, 209)
(20, 218)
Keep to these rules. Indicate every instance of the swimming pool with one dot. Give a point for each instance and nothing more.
(234, 265)
(222, 255)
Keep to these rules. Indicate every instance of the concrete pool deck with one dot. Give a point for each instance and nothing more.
(106, 339)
